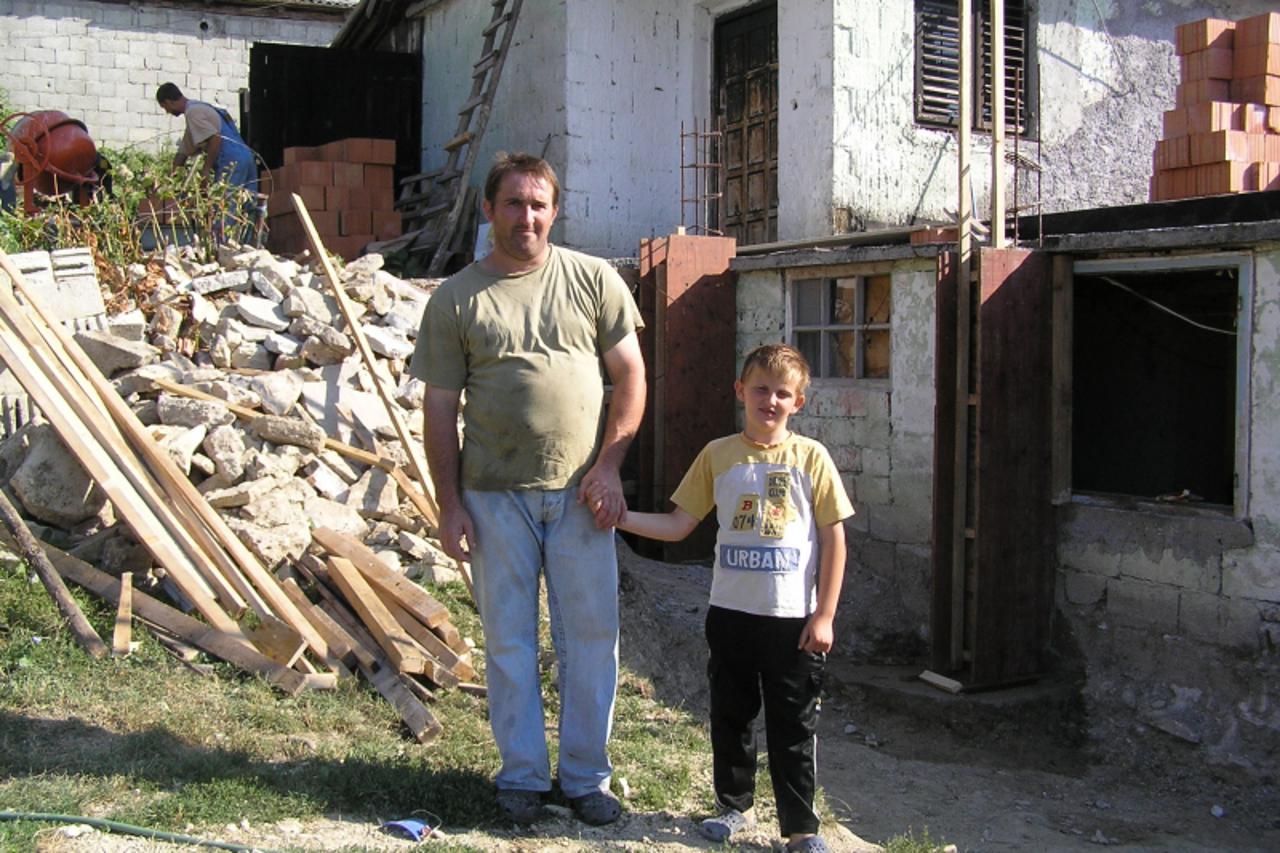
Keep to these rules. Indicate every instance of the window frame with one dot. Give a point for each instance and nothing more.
(859, 327)
(937, 65)
(1243, 263)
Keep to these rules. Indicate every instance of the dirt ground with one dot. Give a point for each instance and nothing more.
(1009, 770)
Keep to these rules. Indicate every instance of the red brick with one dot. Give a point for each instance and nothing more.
(1269, 179)
(325, 221)
(1201, 91)
(348, 246)
(1255, 117)
(1255, 59)
(1220, 145)
(358, 198)
(1257, 147)
(1173, 153)
(281, 201)
(1203, 34)
(1272, 153)
(382, 151)
(1263, 89)
(1223, 177)
(386, 224)
(337, 198)
(348, 174)
(381, 198)
(1260, 29)
(1273, 119)
(1211, 63)
(354, 222)
(298, 153)
(378, 175)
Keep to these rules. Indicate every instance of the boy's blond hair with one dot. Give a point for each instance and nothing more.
(778, 360)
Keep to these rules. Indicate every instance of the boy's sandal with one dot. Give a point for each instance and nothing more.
(724, 826)
(812, 844)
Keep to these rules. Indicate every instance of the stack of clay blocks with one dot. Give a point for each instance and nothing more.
(348, 187)
(1224, 134)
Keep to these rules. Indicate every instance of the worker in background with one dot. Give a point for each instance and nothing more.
(210, 132)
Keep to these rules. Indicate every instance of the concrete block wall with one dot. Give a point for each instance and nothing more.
(880, 435)
(101, 62)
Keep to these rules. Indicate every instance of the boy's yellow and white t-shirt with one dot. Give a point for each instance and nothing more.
(769, 504)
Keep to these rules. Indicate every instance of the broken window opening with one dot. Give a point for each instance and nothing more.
(841, 325)
(938, 64)
(1155, 387)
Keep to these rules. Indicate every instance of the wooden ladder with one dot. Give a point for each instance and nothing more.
(433, 203)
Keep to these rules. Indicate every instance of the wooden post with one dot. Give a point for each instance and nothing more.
(122, 636)
(997, 125)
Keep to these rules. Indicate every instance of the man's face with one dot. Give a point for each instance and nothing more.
(173, 108)
(521, 216)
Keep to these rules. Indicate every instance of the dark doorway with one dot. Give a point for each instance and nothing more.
(313, 95)
(1154, 384)
(745, 104)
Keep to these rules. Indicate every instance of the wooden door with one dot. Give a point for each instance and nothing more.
(745, 103)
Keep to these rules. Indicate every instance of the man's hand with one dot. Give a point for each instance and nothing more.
(601, 491)
(817, 635)
(455, 527)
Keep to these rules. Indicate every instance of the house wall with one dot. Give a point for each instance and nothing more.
(102, 62)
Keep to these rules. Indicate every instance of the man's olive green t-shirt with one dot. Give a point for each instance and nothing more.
(527, 351)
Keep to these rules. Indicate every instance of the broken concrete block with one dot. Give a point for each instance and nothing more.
(142, 380)
(257, 311)
(324, 480)
(225, 447)
(283, 344)
(265, 286)
(231, 392)
(203, 311)
(405, 317)
(237, 280)
(283, 463)
(278, 390)
(411, 393)
(130, 325)
(363, 266)
(436, 574)
(51, 484)
(312, 304)
(272, 545)
(184, 411)
(322, 512)
(281, 430)
(317, 350)
(281, 505)
(341, 466)
(112, 354)
(180, 442)
(374, 494)
(387, 342)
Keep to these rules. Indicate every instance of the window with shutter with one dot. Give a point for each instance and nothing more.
(938, 63)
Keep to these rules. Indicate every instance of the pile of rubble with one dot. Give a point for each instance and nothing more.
(278, 413)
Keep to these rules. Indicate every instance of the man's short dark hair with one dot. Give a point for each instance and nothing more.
(168, 92)
(504, 164)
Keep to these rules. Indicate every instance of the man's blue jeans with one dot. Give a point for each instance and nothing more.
(519, 536)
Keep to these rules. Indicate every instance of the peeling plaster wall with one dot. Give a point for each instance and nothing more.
(880, 435)
(102, 62)
(806, 112)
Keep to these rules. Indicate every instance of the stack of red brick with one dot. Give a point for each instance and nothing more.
(1224, 135)
(348, 187)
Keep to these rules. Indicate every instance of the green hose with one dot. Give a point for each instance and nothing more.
(115, 826)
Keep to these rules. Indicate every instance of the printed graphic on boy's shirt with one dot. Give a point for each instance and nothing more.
(777, 509)
(744, 519)
(774, 523)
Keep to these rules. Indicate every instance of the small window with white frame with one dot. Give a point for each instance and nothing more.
(841, 324)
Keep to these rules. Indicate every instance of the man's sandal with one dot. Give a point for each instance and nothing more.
(597, 808)
(725, 825)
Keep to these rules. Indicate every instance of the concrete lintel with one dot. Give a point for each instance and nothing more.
(821, 257)
(1154, 239)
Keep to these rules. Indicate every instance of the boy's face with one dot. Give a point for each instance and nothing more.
(768, 399)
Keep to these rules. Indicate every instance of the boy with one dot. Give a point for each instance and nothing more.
(779, 564)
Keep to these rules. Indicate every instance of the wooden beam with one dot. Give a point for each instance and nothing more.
(30, 549)
(412, 597)
(209, 527)
(399, 647)
(277, 640)
(229, 647)
(122, 636)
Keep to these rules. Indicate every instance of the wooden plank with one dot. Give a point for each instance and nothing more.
(341, 654)
(944, 466)
(277, 640)
(26, 544)
(122, 635)
(432, 645)
(1060, 414)
(105, 471)
(1014, 529)
(229, 647)
(399, 647)
(417, 462)
(449, 634)
(412, 597)
(210, 528)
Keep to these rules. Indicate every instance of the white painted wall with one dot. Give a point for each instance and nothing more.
(101, 62)
(806, 117)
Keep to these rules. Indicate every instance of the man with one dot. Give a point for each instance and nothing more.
(210, 132)
(535, 490)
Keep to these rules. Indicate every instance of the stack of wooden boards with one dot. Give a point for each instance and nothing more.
(367, 618)
(349, 188)
(1223, 136)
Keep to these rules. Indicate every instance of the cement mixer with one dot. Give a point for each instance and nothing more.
(55, 156)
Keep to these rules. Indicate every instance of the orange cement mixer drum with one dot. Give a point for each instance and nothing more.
(54, 151)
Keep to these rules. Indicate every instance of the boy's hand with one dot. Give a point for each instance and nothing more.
(817, 635)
